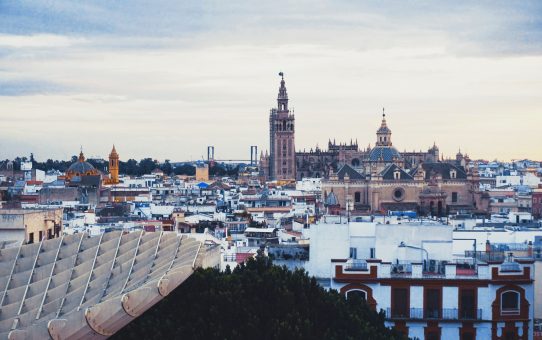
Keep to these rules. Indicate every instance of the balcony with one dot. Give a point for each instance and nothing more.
(436, 314)
(355, 265)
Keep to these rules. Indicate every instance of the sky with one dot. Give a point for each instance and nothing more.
(165, 79)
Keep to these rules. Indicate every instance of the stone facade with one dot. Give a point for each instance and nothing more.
(385, 180)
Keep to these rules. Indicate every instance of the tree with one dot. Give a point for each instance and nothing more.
(185, 169)
(257, 301)
(167, 168)
(146, 166)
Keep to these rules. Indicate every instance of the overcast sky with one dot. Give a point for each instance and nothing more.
(166, 78)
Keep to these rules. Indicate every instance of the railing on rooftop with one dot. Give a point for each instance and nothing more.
(493, 256)
(509, 246)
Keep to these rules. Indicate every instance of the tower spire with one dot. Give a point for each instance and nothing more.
(81, 155)
(282, 99)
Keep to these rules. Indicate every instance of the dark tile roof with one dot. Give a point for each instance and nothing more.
(443, 169)
(347, 169)
(388, 173)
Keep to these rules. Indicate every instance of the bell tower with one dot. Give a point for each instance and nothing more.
(114, 166)
(282, 137)
(383, 134)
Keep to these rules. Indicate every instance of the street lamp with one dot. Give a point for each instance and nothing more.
(403, 245)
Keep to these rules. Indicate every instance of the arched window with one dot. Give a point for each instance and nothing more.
(510, 302)
(357, 294)
(355, 162)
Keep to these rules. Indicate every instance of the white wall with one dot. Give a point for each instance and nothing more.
(450, 296)
(416, 297)
(416, 330)
(429, 237)
(327, 241)
(362, 237)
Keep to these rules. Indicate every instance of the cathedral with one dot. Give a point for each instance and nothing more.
(285, 163)
(373, 179)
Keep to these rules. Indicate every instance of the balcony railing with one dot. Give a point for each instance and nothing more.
(355, 265)
(436, 314)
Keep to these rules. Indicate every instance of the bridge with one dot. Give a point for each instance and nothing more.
(77, 286)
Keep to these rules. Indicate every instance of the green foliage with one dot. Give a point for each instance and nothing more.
(256, 301)
(185, 169)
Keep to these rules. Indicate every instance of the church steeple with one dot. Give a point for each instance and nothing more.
(383, 134)
(114, 166)
(282, 99)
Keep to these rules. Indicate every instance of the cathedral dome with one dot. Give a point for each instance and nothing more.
(384, 153)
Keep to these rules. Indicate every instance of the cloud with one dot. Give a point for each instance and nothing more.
(193, 73)
(28, 87)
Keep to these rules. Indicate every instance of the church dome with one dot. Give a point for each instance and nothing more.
(384, 153)
(81, 168)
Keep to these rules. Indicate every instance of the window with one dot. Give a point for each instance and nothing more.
(356, 294)
(510, 302)
(398, 194)
(400, 305)
(372, 253)
(468, 336)
(397, 175)
(353, 253)
(432, 303)
(432, 335)
(357, 197)
(467, 298)
(454, 197)
(453, 174)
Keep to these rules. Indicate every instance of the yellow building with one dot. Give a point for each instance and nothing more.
(202, 173)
